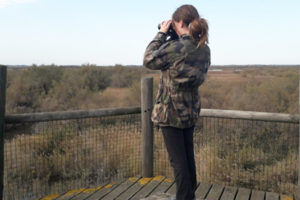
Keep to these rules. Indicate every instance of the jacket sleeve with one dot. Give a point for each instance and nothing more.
(157, 53)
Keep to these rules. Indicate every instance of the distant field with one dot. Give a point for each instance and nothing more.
(267, 89)
(51, 88)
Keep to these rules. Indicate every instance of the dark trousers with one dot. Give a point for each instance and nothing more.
(180, 147)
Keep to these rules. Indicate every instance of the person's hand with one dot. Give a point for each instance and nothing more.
(165, 25)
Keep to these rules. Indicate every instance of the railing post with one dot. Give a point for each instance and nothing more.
(299, 146)
(2, 121)
(147, 126)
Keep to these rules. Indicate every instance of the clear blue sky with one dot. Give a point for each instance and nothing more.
(117, 32)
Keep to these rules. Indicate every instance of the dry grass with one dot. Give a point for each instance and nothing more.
(68, 156)
(64, 157)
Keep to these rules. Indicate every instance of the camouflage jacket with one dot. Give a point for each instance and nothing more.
(183, 68)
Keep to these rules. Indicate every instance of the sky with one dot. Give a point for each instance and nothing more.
(76, 32)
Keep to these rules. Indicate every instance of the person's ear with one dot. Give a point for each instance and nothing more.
(181, 24)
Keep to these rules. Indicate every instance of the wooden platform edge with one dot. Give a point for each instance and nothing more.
(140, 183)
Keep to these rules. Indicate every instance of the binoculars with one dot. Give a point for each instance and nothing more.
(171, 34)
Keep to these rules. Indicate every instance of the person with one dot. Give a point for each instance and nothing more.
(184, 63)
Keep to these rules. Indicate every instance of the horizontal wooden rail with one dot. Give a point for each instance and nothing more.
(79, 114)
(66, 115)
(250, 115)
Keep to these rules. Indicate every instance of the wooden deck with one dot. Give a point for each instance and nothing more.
(161, 188)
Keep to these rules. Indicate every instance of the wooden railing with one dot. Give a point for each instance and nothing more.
(3, 70)
(145, 110)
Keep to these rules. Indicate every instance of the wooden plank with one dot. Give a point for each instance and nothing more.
(172, 189)
(202, 190)
(121, 188)
(70, 194)
(285, 197)
(215, 192)
(272, 196)
(229, 193)
(50, 197)
(148, 188)
(243, 194)
(103, 191)
(134, 189)
(162, 187)
(257, 195)
(87, 192)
